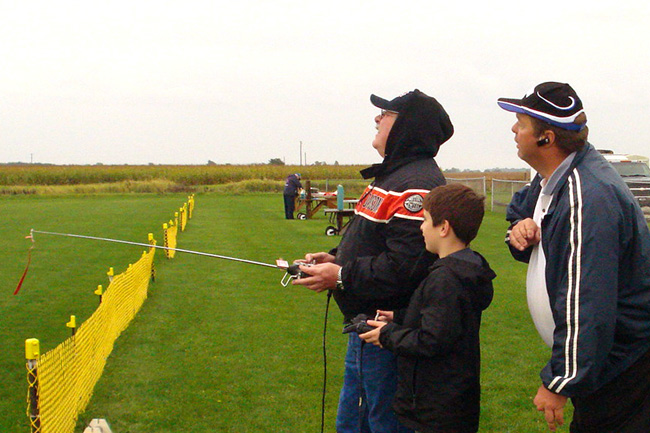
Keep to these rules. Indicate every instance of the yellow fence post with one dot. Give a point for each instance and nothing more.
(99, 292)
(190, 201)
(166, 239)
(32, 352)
(152, 241)
(170, 231)
(181, 220)
(72, 324)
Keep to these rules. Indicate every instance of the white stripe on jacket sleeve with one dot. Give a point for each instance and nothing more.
(573, 286)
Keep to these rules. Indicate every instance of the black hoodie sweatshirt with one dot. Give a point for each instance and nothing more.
(437, 343)
(421, 127)
(384, 261)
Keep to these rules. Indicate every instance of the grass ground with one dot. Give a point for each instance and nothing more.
(220, 346)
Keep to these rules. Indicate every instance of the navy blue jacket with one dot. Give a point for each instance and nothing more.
(292, 185)
(597, 247)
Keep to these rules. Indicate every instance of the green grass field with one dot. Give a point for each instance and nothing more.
(220, 346)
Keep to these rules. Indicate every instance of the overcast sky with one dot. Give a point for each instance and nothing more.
(184, 82)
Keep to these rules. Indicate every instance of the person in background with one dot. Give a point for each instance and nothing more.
(437, 337)
(381, 258)
(291, 187)
(587, 246)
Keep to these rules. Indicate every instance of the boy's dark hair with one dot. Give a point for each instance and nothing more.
(458, 204)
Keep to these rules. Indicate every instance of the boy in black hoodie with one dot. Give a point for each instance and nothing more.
(437, 337)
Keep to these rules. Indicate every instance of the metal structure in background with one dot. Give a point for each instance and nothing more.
(502, 192)
(476, 183)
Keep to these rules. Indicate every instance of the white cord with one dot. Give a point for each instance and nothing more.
(154, 246)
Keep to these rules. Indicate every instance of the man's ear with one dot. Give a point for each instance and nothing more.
(445, 229)
(550, 135)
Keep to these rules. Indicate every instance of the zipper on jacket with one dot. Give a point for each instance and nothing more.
(414, 391)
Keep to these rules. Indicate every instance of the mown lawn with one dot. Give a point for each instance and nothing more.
(220, 346)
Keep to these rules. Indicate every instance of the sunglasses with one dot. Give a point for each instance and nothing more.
(387, 112)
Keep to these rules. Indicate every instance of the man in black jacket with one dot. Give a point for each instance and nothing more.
(382, 258)
(291, 187)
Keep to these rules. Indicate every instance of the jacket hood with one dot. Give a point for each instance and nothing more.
(474, 271)
(421, 127)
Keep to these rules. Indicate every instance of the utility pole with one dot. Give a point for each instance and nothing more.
(301, 153)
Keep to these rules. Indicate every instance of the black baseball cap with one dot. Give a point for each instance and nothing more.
(395, 104)
(554, 103)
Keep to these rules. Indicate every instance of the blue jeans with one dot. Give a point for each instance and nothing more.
(289, 205)
(368, 388)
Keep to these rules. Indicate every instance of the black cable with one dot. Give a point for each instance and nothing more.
(361, 390)
(322, 416)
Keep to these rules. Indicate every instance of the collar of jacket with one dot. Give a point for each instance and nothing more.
(580, 155)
